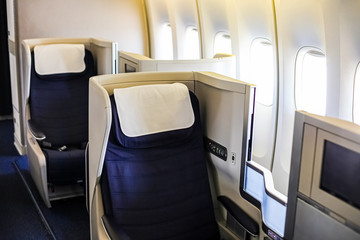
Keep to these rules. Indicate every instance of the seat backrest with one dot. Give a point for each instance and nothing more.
(59, 92)
(155, 183)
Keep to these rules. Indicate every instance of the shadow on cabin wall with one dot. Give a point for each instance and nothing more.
(5, 87)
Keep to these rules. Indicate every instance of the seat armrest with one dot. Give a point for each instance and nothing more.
(113, 229)
(35, 132)
(240, 216)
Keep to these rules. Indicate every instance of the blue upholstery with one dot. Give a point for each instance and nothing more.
(65, 166)
(156, 186)
(59, 108)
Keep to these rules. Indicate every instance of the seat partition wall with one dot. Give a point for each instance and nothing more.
(221, 63)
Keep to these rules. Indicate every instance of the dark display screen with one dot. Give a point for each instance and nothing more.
(340, 174)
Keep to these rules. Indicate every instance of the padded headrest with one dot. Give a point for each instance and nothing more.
(149, 109)
(59, 58)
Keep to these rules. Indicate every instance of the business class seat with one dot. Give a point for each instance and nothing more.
(155, 182)
(57, 111)
(148, 176)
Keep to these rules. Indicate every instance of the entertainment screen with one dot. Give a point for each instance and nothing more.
(340, 175)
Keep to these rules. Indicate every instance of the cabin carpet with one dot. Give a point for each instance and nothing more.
(68, 218)
(18, 216)
(23, 215)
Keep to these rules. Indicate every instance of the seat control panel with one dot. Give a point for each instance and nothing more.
(215, 148)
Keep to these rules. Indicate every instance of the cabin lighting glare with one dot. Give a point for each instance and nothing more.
(166, 43)
(262, 71)
(192, 44)
(310, 83)
(222, 43)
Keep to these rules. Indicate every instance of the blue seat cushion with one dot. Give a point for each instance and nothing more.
(159, 191)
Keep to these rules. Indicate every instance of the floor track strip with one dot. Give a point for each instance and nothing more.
(38, 210)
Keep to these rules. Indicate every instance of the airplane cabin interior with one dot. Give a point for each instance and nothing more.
(181, 119)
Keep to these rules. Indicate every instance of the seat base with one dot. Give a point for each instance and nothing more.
(65, 191)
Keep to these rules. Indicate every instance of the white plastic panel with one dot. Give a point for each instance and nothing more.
(222, 64)
(253, 33)
(14, 82)
(19, 139)
(250, 20)
(225, 66)
(349, 52)
(356, 96)
(215, 115)
(258, 183)
(320, 226)
(121, 21)
(307, 159)
(183, 16)
(10, 19)
(17, 133)
(158, 21)
(213, 15)
(300, 24)
(180, 16)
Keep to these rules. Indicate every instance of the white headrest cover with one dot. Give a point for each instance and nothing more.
(148, 109)
(59, 58)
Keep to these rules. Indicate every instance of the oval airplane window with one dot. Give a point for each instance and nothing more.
(222, 43)
(262, 70)
(166, 49)
(192, 43)
(310, 81)
(356, 96)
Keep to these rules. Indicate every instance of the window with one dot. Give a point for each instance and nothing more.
(356, 96)
(262, 70)
(222, 43)
(192, 43)
(310, 81)
(166, 42)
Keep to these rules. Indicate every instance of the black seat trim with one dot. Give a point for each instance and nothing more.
(243, 219)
